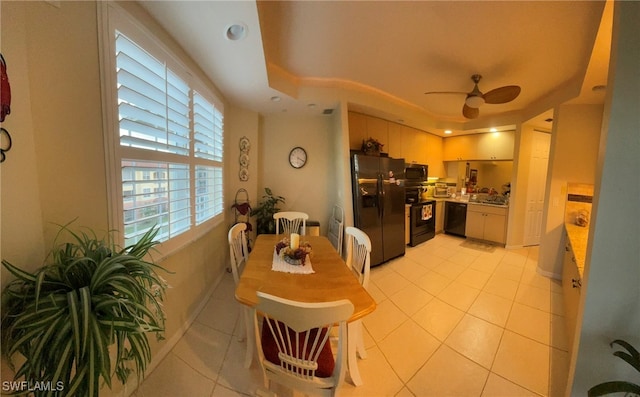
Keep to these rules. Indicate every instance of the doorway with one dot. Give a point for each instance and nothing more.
(541, 142)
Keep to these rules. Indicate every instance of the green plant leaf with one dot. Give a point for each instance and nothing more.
(64, 317)
(613, 387)
(19, 273)
(632, 357)
(85, 303)
(74, 311)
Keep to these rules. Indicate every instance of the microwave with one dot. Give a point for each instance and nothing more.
(416, 173)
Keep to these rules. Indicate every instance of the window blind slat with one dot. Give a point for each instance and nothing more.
(160, 111)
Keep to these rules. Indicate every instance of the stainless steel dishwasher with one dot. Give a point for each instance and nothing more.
(455, 218)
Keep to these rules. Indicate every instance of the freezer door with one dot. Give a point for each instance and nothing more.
(367, 198)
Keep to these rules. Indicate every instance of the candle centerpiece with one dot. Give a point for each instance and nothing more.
(292, 251)
(295, 241)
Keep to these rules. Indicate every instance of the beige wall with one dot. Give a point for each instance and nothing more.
(610, 302)
(312, 188)
(56, 172)
(573, 158)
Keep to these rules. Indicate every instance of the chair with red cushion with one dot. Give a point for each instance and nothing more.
(293, 343)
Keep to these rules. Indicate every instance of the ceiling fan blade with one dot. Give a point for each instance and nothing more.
(445, 92)
(502, 95)
(469, 112)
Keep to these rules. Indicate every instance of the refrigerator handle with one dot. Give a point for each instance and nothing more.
(381, 197)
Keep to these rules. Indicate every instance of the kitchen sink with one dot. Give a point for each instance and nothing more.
(491, 202)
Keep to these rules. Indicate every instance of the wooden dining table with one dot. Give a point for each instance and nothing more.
(332, 280)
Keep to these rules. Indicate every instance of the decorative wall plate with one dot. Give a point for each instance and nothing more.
(244, 174)
(244, 159)
(245, 145)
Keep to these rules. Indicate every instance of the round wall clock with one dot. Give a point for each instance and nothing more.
(297, 157)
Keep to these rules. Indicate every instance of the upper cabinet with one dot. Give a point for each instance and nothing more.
(489, 146)
(400, 141)
(496, 145)
(357, 130)
(462, 147)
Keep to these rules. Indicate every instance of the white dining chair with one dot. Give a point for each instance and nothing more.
(359, 261)
(238, 255)
(291, 222)
(293, 343)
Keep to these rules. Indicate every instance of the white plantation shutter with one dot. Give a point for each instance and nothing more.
(208, 127)
(171, 140)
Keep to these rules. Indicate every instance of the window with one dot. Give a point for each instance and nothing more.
(167, 137)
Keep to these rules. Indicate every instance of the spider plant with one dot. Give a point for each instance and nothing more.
(632, 357)
(64, 318)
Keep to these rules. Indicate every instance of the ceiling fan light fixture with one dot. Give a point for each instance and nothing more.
(474, 101)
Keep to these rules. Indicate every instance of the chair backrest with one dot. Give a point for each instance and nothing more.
(238, 252)
(336, 224)
(291, 222)
(294, 344)
(359, 254)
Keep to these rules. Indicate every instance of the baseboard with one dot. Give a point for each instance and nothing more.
(513, 247)
(170, 343)
(547, 274)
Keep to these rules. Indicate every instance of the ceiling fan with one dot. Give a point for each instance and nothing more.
(476, 98)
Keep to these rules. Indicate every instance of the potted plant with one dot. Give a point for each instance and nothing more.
(632, 357)
(264, 212)
(84, 316)
(372, 147)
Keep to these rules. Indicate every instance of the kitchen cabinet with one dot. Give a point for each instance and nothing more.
(414, 144)
(489, 146)
(486, 222)
(434, 156)
(439, 216)
(496, 145)
(399, 141)
(363, 127)
(378, 130)
(462, 147)
(571, 286)
(357, 130)
(395, 140)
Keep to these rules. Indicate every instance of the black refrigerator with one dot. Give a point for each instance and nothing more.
(379, 204)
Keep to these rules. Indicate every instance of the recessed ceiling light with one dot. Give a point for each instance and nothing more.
(275, 98)
(448, 131)
(493, 130)
(311, 105)
(598, 88)
(236, 31)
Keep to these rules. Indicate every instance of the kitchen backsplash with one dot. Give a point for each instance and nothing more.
(579, 198)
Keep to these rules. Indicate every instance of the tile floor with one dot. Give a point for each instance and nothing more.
(450, 321)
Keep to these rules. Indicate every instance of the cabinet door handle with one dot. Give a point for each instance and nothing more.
(576, 283)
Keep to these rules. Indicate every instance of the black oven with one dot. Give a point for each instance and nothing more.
(422, 222)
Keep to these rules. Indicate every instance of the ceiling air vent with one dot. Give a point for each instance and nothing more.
(327, 111)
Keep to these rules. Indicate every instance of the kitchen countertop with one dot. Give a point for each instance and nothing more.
(458, 200)
(578, 238)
